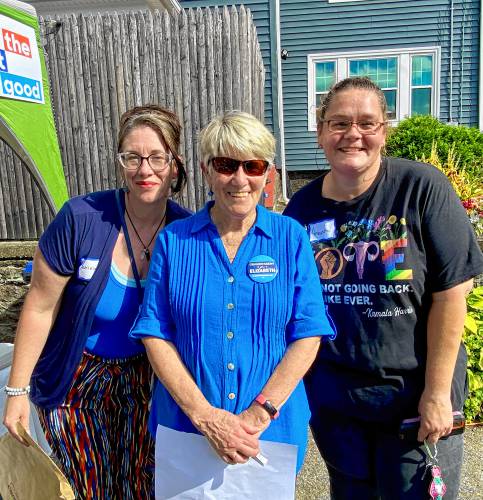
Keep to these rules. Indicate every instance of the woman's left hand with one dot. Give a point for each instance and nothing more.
(232, 438)
(436, 417)
(257, 417)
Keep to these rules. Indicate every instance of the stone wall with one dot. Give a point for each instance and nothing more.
(13, 257)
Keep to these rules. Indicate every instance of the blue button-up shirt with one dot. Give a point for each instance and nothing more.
(232, 322)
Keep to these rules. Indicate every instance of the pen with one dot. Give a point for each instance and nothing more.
(260, 459)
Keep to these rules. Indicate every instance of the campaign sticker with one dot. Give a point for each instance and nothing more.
(322, 230)
(87, 269)
(262, 269)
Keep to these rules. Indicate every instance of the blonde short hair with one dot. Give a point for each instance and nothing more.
(236, 133)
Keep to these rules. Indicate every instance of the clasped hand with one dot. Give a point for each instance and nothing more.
(233, 437)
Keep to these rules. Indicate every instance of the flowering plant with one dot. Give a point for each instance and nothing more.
(468, 187)
(474, 209)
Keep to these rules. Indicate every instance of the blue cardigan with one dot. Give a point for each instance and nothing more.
(78, 243)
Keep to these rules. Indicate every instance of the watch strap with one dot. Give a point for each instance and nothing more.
(268, 406)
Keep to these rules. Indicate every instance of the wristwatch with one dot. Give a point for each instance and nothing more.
(270, 409)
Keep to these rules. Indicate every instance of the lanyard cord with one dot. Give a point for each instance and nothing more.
(129, 246)
(428, 451)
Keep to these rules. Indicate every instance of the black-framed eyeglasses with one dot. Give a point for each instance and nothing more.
(132, 161)
(228, 166)
(365, 127)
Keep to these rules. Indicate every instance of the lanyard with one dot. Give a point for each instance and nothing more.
(129, 246)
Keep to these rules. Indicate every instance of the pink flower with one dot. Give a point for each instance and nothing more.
(379, 221)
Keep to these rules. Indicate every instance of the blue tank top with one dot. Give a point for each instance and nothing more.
(115, 314)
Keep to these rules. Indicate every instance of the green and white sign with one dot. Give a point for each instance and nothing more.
(26, 118)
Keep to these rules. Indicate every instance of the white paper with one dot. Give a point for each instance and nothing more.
(188, 469)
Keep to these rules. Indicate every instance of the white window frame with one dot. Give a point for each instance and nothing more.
(403, 55)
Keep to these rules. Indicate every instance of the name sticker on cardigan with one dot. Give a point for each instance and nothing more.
(87, 268)
(322, 230)
(262, 269)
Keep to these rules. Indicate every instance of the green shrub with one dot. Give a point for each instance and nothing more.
(473, 339)
(414, 137)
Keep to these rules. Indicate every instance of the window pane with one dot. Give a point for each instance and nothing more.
(390, 96)
(324, 75)
(422, 70)
(420, 102)
(381, 71)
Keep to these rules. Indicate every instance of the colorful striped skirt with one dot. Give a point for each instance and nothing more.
(100, 433)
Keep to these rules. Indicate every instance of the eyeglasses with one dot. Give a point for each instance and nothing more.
(132, 161)
(228, 166)
(365, 127)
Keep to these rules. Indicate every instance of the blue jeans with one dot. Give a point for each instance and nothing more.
(367, 461)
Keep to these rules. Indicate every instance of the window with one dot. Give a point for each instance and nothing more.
(421, 84)
(383, 72)
(409, 78)
(324, 79)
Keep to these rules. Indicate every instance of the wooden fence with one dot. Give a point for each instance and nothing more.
(197, 63)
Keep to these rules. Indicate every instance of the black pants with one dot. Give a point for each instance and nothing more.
(366, 461)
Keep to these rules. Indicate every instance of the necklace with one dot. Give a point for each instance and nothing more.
(145, 254)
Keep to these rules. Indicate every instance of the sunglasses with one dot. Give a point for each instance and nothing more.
(228, 166)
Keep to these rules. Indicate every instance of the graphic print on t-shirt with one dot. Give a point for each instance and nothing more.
(370, 256)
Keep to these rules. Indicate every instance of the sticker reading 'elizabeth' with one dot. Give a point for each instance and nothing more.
(262, 269)
(87, 269)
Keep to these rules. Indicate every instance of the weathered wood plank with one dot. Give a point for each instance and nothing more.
(158, 60)
(209, 68)
(227, 60)
(218, 52)
(90, 61)
(5, 217)
(245, 73)
(187, 104)
(68, 105)
(125, 53)
(132, 24)
(235, 59)
(196, 99)
(103, 103)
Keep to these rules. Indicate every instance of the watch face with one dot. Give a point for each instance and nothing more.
(270, 408)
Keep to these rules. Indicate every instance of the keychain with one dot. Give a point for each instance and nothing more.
(437, 488)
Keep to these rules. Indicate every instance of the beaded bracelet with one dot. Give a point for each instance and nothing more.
(17, 391)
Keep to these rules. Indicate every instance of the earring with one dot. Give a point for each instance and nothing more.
(265, 195)
(210, 193)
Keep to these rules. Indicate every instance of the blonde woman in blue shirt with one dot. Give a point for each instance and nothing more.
(233, 311)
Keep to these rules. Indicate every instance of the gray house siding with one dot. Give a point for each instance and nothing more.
(310, 27)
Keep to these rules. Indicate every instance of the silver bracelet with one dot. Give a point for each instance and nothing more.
(17, 391)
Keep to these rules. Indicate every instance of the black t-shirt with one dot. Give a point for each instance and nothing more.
(380, 257)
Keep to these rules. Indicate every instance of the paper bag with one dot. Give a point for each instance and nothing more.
(26, 472)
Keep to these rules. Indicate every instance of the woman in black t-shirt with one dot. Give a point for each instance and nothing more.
(396, 256)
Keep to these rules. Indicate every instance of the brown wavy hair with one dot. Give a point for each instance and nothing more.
(165, 123)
